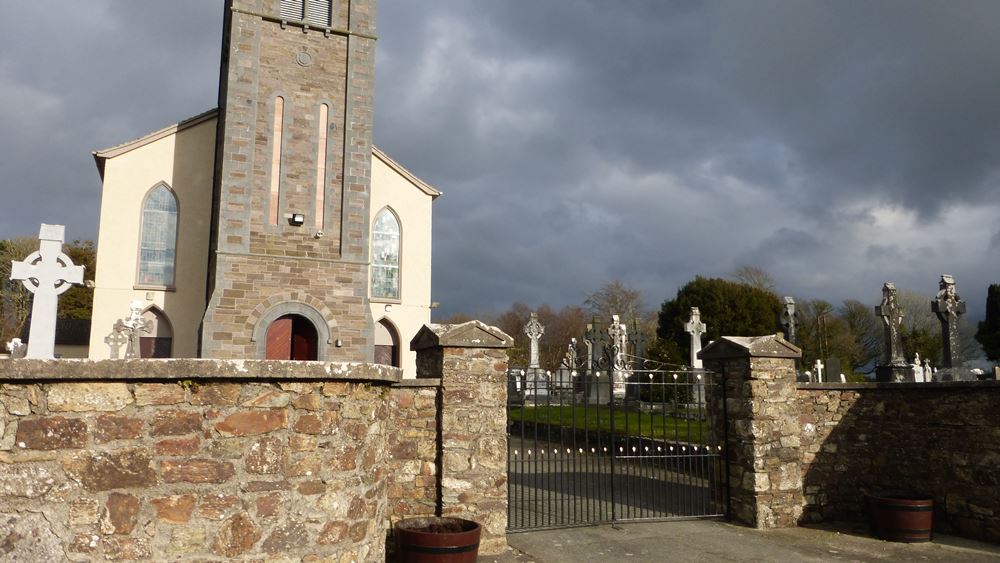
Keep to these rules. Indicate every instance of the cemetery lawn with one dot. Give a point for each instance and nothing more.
(631, 423)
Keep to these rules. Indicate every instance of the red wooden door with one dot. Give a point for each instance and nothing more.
(279, 339)
(291, 338)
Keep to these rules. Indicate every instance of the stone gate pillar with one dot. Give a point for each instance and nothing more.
(471, 360)
(761, 428)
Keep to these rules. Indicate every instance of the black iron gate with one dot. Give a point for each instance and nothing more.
(611, 446)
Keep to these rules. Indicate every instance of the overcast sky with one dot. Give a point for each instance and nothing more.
(838, 145)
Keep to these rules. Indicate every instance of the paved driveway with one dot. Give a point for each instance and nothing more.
(704, 541)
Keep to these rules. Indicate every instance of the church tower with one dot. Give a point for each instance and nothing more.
(290, 237)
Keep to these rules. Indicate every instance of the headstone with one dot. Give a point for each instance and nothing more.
(892, 365)
(695, 328)
(789, 320)
(16, 348)
(832, 369)
(534, 330)
(618, 334)
(948, 306)
(843, 378)
(115, 340)
(536, 385)
(47, 273)
(819, 370)
(918, 369)
(132, 327)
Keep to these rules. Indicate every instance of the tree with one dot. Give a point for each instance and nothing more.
(866, 331)
(615, 298)
(823, 333)
(15, 299)
(988, 331)
(728, 308)
(754, 276)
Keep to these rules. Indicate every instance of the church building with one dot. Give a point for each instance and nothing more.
(269, 227)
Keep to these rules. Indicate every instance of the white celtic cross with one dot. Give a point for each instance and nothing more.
(695, 328)
(47, 273)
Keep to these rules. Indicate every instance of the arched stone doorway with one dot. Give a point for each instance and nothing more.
(158, 342)
(292, 337)
(386, 344)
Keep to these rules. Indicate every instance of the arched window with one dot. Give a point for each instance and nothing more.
(158, 341)
(158, 242)
(386, 344)
(292, 337)
(385, 255)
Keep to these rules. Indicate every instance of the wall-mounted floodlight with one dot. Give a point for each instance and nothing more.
(295, 219)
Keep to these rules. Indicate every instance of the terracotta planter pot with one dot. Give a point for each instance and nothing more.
(901, 517)
(437, 540)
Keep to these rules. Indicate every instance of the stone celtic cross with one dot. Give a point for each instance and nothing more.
(892, 363)
(948, 306)
(47, 273)
(534, 330)
(788, 319)
(695, 328)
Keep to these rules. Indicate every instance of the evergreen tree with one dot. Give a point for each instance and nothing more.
(728, 308)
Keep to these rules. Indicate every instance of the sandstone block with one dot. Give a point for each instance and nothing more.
(126, 549)
(285, 538)
(28, 481)
(147, 394)
(237, 535)
(121, 514)
(216, 394)
(196, 471)
(175, 423)
(174, 509)
(265, 456)
(178, 446)
(109, 427)
(105, 471)
(267, 505)
(250, 423)
(86, 397)
(83, 512)
(51, 433)
(215, 507)
(27, 537)
(186, 539)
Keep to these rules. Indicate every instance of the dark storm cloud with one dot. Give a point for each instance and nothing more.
(838, 144)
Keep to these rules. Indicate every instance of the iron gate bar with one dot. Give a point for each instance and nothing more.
(579, 458)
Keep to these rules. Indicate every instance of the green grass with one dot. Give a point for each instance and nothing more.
(647, 425)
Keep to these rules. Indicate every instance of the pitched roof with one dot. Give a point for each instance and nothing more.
(101, 156)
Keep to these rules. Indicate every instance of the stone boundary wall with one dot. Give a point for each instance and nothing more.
(940, 439)
(249, 460)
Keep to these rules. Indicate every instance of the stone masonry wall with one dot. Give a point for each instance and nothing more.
(762, 454)
(474, 441)
(413, 455)
(940, 439)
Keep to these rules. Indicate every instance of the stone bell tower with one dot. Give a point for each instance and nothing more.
(290, 234)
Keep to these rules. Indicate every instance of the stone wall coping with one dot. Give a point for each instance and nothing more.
(908, 386)
(472, 334)
(423, 382)
(732, 347)
(194, 369)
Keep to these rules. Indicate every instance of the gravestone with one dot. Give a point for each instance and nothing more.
(618, 334)
(16, 348)
(948, 306)
(534, 330)
(818, 366)
(918, 369)
(832, 369)
(115, 340)
(789, 319)
(695, 328)
(892, 366)
(47, 273)
(131, 329)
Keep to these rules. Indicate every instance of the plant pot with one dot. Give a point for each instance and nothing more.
(433, 539)
(901, 517)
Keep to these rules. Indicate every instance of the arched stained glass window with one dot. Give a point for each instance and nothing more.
(158, 243)
(385, 255)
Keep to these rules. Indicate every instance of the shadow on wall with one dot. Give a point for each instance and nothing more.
(940, 440)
